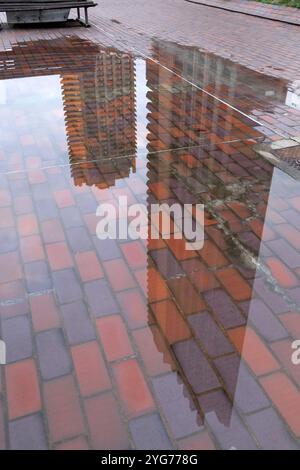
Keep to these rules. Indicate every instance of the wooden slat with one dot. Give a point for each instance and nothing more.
(19, 4)
(30, 2)
(45, 6)
(54, 4)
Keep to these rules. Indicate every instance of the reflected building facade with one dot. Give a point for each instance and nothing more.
(98, 99)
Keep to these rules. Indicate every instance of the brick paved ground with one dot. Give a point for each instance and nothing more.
(262, 45)
(267, 47)
(266, 11)
(165, 347)
(259, 96)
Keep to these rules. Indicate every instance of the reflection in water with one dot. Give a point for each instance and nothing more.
(32, 106)
(266, 99)
(141, 343)
(100, 115)
(245, 89)
(90, 105)
(293, 95)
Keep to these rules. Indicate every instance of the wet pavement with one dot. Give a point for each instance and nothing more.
(141, 343)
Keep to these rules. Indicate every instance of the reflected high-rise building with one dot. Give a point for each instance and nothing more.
(183, 123)
(99, 106)
(223, 78)
(98, 99)
(189, 129)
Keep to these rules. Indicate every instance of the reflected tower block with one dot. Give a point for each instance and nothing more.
(98, 94)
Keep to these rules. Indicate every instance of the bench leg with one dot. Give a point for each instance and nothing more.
(86, 18)
(85, 22)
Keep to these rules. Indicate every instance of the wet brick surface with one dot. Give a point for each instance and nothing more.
(179, 348)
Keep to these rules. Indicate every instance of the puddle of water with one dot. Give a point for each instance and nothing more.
(133, 343)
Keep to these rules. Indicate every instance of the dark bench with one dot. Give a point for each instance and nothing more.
(18, 7)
